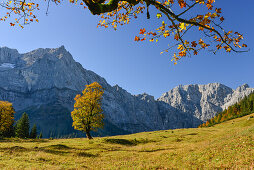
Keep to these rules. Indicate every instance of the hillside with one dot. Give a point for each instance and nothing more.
(239, 109)
(226, 145)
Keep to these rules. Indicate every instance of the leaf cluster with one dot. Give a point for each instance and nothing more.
(179, 18)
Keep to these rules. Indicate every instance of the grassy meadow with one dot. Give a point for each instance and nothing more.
(226, 145)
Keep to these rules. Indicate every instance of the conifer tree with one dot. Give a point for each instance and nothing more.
(40, 136)
(33, 132)
(22, 128)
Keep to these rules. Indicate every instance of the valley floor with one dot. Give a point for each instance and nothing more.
(226, 145)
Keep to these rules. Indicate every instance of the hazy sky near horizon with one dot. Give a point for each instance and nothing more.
(136, 67)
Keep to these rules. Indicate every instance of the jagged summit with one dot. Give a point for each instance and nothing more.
(204, 101)
(8, 55)
(52, 54)
(242, 87)
(43, 69)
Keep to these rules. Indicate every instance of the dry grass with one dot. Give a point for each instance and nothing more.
(227, 145)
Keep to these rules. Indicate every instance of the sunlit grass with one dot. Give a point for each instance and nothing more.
(226, 145)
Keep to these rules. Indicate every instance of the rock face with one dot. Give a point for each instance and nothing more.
(204, 101)
(44, 82)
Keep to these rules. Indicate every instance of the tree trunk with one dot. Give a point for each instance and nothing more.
(88, 135)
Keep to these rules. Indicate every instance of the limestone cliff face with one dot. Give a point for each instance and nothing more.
(204, 101)
(44, 82)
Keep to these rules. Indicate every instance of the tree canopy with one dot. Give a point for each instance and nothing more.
(179, 18)
(6, 116)
(87, 114)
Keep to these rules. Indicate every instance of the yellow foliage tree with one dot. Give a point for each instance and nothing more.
(6, 116)
(87, 114)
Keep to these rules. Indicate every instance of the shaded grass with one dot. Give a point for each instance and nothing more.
(121, 141)
(58, 146)
(127, 142)
(225, 146)
(85, 154)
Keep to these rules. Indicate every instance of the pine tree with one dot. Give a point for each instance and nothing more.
(22, 128)
(33, 132)
(40, 136)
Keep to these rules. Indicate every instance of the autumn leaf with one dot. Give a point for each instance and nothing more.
(182, 26)
(228, 49)
(158, 15)
(142, 31)
(180, 47)
(244, 45)
(143, 39)
(176, 37)
(136, 38)
(182, 3)
(194, 44)
(218, 10)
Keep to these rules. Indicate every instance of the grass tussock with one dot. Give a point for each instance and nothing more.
(225, 146)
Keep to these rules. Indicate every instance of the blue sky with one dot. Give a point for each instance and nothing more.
(137, 67)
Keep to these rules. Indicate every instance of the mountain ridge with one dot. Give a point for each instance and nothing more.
(50, 79)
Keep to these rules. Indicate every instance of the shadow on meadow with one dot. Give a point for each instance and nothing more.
(154, 150)
(18, 140)
(128, 142)
(57, 149)
(104, 145)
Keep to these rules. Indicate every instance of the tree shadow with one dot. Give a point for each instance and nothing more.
(18, 140)
(120, 141)
(152, 150)
(85, 154)
(58, 149)
(127, 142)
(192, 134)
(58, 146)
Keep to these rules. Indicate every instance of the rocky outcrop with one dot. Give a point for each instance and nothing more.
(44, 82)
(204, 101)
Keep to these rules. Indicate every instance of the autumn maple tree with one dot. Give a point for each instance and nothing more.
(179, 17)
(6, 116)
(87, 114)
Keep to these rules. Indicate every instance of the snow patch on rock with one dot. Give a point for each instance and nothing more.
(7, 65)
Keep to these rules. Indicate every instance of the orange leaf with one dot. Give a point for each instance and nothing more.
(136, 38)
(142, 31)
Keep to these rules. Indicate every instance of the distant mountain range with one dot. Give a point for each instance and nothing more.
(44, 82)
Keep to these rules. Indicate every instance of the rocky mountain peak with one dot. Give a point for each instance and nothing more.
(51, 54)
(242, 87)
(204, 101)
(8, 55)
(145, 97)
